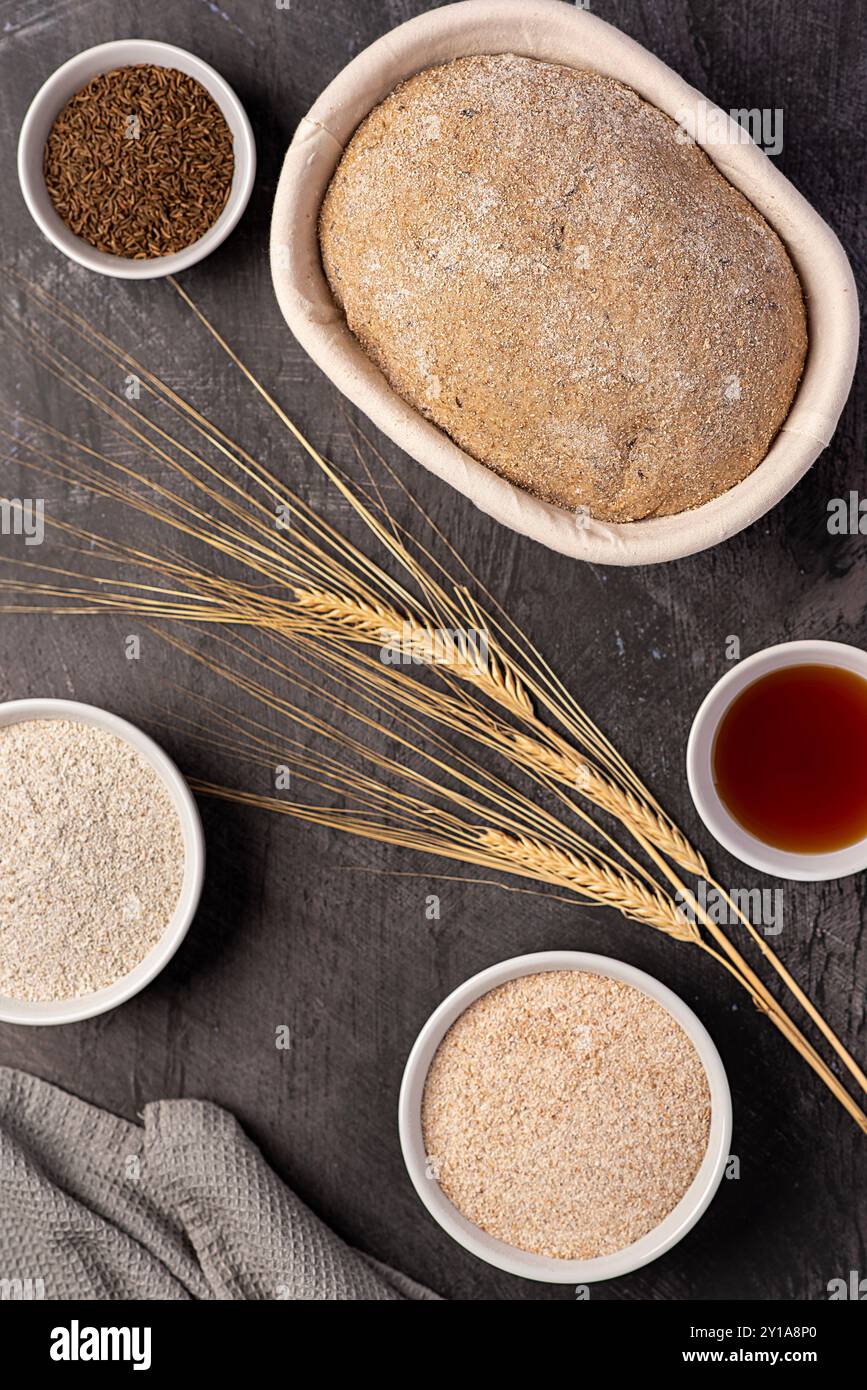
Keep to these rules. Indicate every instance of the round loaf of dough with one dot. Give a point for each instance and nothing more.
(549, 269)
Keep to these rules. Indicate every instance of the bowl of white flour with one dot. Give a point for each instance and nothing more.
(101, 860)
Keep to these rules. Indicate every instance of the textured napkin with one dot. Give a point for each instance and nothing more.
(181, 1207)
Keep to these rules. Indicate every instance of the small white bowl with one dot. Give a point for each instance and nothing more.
(496, 1252)
(86, 1005)
(62, 86)
(699, 765)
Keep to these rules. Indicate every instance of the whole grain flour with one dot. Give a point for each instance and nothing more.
(91, 859)
(566, 1113)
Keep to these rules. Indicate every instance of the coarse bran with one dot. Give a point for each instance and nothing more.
(551, 271)
(91, 859)
(566, 1113)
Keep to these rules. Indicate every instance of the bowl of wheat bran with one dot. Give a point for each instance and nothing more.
(565, 1117)
(701, 432)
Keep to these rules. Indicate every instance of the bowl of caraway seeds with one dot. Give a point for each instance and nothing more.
(565, 1117)
(101, 860)
(136, 159)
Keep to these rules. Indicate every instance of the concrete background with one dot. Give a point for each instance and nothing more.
(291, 929)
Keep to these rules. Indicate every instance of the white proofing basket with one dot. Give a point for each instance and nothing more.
(553, 32)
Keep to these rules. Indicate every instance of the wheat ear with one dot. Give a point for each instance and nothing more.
(603, 884)
(375, 622)
(571, 768)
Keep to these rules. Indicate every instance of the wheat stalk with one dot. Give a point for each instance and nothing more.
(322, 561)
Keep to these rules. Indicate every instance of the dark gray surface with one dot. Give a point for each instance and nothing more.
(287, 931)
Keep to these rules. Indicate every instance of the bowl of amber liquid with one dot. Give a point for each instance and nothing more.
(777, 760)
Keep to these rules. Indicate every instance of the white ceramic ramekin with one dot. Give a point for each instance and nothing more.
(62, 86)
(496, 1252)
(699, 764)
(86, 1005)
(560, 33)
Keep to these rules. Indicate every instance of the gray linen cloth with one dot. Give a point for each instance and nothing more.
(182, 1207)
